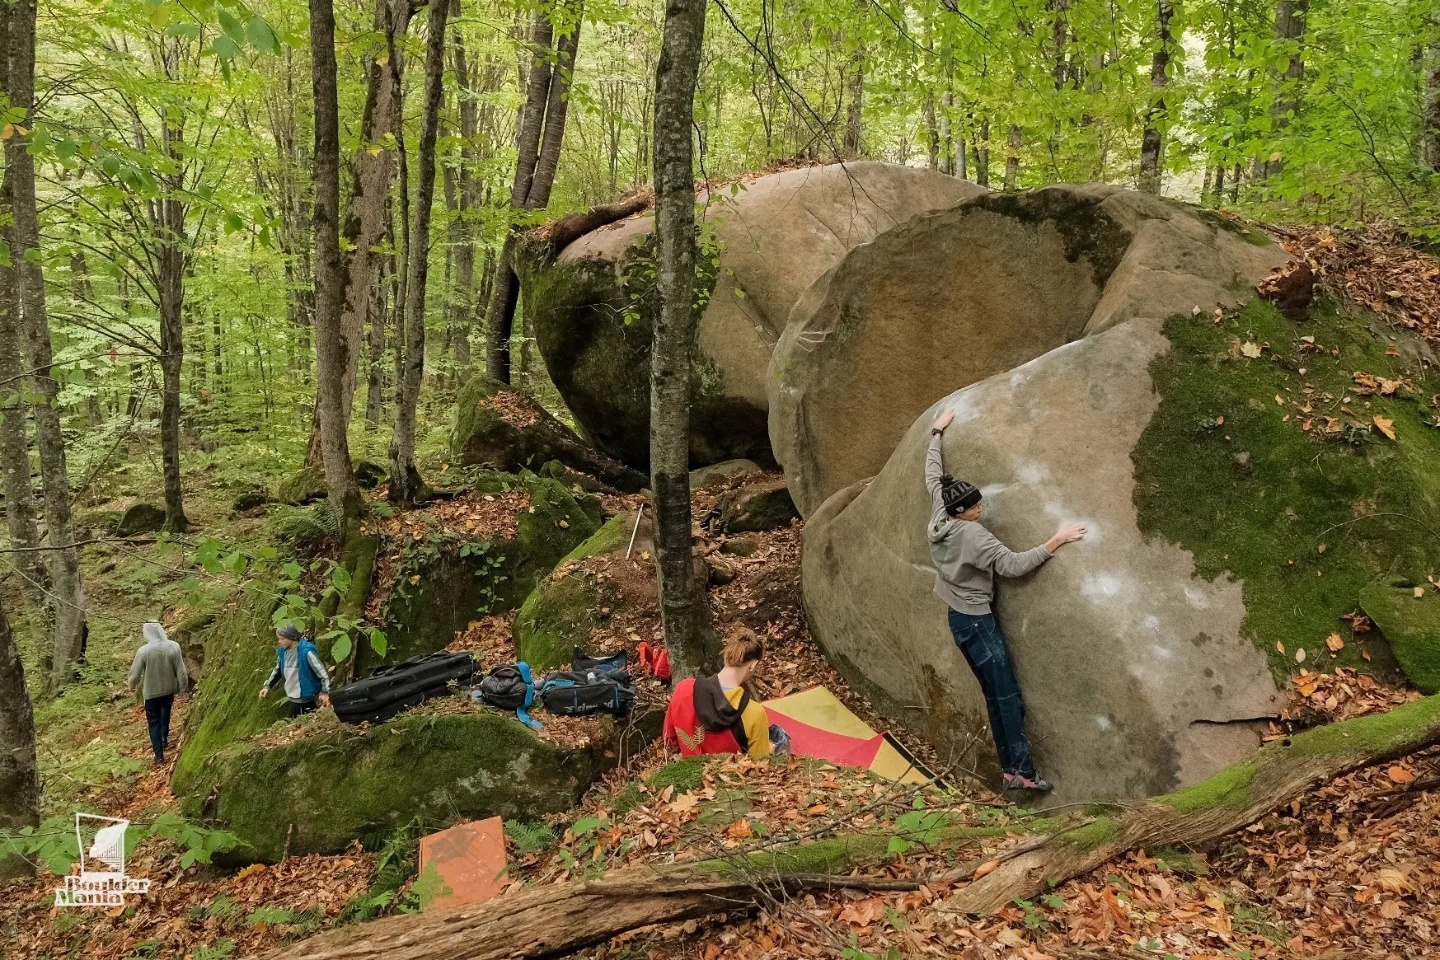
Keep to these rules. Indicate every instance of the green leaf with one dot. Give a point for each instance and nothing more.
(262, 36)
(226, 49)
(233, 222)
(378, 641)
(341, 649)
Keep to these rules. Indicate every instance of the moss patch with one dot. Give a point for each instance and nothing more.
(340, 783)
(1233, 476)
(684, 775)
(1086, 230)
(1229, 788)
(559, 613)
(1374, 733)
(239, 654)
(1099, 831)
(1412, 625)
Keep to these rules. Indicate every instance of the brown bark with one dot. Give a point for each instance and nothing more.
(1013, 143)
(378, 319)
(1290, 18)
(681, 607)
(405, 483)
(364, 226)
(19, 779)
(1152, 141)
(1430, 107)
(330, 349)
(14, 437)
(541, 135)
(982, 155)
(560, 234)
(64, 559)
(462, 309)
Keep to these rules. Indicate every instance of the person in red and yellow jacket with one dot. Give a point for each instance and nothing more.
(718, 715)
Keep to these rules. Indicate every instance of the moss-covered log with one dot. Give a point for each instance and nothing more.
(555, 921)
(1235, 797)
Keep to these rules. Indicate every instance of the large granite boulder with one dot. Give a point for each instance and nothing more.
(1136, 673)
(954, 296)
(591, 309)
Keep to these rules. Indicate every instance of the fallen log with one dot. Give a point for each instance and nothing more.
(552, 238)
(1234, 798)
(555, 921)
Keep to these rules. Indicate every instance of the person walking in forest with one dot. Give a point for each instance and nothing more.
(298, 666)
(159, 672)
(717, 714)
(967, 558)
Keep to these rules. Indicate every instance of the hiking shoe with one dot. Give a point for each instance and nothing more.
(1014, 781)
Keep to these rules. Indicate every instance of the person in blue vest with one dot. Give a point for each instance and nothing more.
(298, 666)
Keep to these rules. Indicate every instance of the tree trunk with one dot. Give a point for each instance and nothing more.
(1012, 156)
(544, 112)
(19, 780)
(1430, 111)
(855, 98)
(681, 607)
(556, 921)
(932, 135)
(364, 226)
(14, 437)
(1290, 17)
(982, 155)
(171, 276)
(1234, 798)
(405, 483)
(375, 379)
(330, 348)
(462, 306)
(1152, 142)
(64, 558)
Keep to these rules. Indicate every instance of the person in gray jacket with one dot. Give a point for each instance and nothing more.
(967, 558)
(159, 671)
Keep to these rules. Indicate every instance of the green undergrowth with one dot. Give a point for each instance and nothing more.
(1308, 520)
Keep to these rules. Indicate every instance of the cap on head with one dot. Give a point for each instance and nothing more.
(958, 495)
(288, 632)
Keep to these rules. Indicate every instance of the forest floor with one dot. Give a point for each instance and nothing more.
(1351, 870)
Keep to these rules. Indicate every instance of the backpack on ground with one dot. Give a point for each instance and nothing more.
(397, 686)
(577, 693)
(510, 687)
(581, 662)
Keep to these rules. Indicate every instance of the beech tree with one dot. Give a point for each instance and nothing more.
(30, 302)
(681, 607)
(19, 781)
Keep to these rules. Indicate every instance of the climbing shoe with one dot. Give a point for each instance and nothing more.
(1014, 781)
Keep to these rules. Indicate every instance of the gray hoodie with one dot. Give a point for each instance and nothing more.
(159, 665)
(966, 555)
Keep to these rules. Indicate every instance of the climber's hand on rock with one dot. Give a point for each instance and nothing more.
(943, 421)
(1070, 532)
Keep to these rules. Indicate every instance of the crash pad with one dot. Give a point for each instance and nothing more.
(822, 727)
(462, 865)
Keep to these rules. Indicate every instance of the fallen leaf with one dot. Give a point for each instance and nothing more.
(1300, 655)
(250, 871)
(739, 830)
(1279, 646)
(1323, 548)
(1391, 910)
(985, 868)
(1334, 642)
(1392, 880)
(1279, 400)
(1419, 592)
(1249, 349)
(1399, 774)
(1386, 426)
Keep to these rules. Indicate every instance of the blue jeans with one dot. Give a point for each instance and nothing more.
(157, 718)
(982, 643)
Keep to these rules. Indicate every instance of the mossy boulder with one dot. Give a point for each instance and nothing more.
(239, 653)
(140, 518)
(954, 296)
(330, 785)
(593, 307)
(756, 507)
(507, 431)
(590, 590)
(456, 580)
(1246, 483)
(1411, 625)
(307, 485)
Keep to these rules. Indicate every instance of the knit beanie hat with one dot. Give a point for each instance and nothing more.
(289, 632)
(957, 495)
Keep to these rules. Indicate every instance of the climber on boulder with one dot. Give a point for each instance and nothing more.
(967, 558)
(717, 714)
